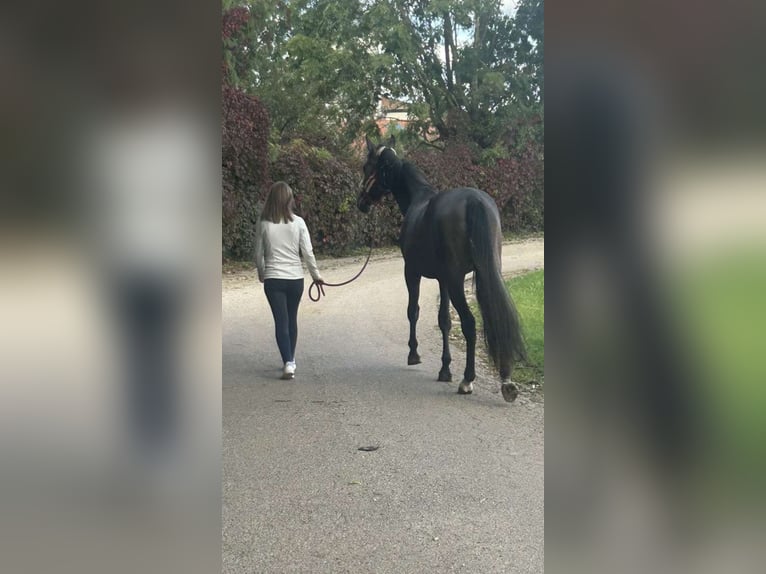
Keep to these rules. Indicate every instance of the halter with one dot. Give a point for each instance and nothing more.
(381, 148)
(370, 181)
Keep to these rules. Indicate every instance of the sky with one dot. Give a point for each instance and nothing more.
(509, 6)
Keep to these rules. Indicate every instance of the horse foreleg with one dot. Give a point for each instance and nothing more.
(413, 311)
(445, 324)
(468, 325)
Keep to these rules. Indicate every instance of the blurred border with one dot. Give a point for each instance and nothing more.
(110, 286)
(655, 211)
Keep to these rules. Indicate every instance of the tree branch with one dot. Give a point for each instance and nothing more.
(425, 142)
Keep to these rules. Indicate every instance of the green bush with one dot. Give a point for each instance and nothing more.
(327, 184)
(245, 173)
(514, 179)
(326, 189)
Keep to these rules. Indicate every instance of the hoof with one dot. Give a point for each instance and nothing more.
(413, 359)
(465, 388)
(445, 377)
(510, 391)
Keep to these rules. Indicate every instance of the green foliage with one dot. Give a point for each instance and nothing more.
(245, 174)
(719, 309)
(319, 68)
(326, 190)
(310, 64)
(476, 70)
(528, 293)
(515, 179)
(473, 72)
(529, 44)
(490, 156)
(244, 148)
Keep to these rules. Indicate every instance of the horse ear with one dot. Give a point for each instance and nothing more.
(391, 141)
(370, 145)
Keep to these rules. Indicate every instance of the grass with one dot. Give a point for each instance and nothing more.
(528, 293)
(721, 312)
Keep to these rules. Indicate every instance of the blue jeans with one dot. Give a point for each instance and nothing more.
(284, 296)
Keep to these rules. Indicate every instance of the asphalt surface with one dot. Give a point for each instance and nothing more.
(456, 482)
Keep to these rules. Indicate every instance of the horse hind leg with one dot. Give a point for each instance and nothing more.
(468, 326)
(507, 387)
(465, 388)
(510, 390)
(445, 324)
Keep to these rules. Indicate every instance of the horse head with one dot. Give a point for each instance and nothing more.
(379, 169)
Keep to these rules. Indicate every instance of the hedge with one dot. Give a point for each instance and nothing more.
(326, 188)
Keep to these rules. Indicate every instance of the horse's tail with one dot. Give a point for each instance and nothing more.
(502, 330)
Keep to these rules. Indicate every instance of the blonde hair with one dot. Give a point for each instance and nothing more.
(279, 204)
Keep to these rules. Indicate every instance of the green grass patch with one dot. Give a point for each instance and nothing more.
(528, 293)
(721, 310)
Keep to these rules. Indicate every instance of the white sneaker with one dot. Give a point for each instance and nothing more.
(289, 370)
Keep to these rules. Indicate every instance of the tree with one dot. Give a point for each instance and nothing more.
(244, 151)
(310, 63)
(471, 70)
(320, 66)
(314, 70)
(529, 44)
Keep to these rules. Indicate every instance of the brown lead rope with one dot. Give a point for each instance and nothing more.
(320, 286)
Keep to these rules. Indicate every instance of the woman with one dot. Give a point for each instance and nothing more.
(281, 237)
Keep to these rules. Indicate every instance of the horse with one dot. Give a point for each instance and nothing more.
(444, 236)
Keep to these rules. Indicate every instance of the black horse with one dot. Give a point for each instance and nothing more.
(444, 236)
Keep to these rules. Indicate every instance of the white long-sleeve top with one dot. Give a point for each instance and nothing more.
(278, 248)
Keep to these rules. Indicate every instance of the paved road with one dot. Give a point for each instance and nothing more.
(457, 482)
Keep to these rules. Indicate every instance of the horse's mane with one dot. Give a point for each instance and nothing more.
(415, 177)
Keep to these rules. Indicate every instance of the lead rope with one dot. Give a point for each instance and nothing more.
(320, 286)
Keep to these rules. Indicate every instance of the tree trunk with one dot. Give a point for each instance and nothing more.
(448, 46)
